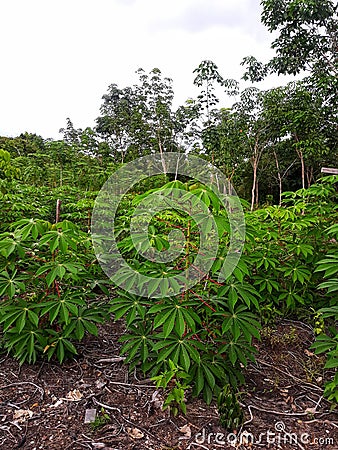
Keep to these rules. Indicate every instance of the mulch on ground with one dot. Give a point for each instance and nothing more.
(44, 406)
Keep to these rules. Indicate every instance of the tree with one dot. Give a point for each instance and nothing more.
(254, 132)
(118, 114)
(296, 122)
(71, 135)
(23, 145)
(207, 75)
(139, 120)
(307, 40)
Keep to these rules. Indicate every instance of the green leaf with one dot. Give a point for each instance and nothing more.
(168, 325)
(209, 377)
(184, 358)
(180, 323)
(161, 318)
(332, 363)
(34, 319)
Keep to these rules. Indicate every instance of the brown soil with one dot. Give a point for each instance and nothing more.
(43, 406)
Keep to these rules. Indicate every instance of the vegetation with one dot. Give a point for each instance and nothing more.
(270, 145)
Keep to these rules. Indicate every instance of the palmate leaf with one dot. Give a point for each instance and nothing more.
(331, 285)
(302, 249)
(291, 298)
(58, 270)
(18, 314)
(240, 322)
(10, 284)
(297, 272)
(26, 344)
(266, 283)
(180, 350)
(324, 343)
(137, 343)
(261, 259)
(59, 345)
(210, 374)
(238, 351)
(60, 240)
(175, 315)
(33, 227)
(233, 290)
(78, 327)
(329, 264)
(129, 305)
(60, 308)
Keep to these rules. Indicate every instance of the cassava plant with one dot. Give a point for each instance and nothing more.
(207, 330)
(327, 342)
(47, 273)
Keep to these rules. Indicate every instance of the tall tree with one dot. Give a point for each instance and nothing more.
(139, 120)
(207, 77)
(306, 43)
(296, 120)
(306, 38)
(254, 132)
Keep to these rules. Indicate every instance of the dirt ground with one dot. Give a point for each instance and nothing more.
(44, 406)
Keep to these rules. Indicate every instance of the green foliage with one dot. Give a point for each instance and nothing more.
(331, 390)
(328, 342)
(46, 274)
(7, 170)
(305, 34)
(284, 245)
(138, 120)
(178, 379)
(230, 412)
(307, 30)
(52, 290)
(101, 419)
(208, 332)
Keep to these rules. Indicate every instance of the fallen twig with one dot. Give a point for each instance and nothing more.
(280, 413)
(111, 360)
(19, 383)
(304, 383)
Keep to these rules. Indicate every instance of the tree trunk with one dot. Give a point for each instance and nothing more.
(301, 157)
(309, 176)
(161, 152)
(303, 167)
(254, 182)
(255, 161)
(58, 210)
(279, 179)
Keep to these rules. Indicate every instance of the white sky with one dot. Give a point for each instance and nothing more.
(59, 56)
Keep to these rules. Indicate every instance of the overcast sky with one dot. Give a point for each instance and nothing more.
(58, 57)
